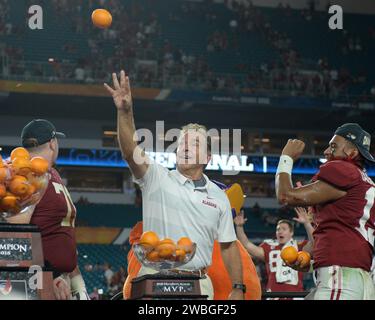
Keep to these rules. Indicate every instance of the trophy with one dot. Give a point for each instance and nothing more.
(166, 283)
(23, 275)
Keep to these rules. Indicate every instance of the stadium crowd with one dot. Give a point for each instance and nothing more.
(132, 45)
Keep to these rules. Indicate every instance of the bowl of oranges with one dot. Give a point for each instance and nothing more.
(163, 254)
(23, 181)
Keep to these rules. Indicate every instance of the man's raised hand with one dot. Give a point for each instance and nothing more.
(121, 92)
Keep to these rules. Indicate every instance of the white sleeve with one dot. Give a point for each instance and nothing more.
(151, 179)
(226, 232)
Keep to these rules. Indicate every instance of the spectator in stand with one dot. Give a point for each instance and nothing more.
(95, 294)
(108, 274)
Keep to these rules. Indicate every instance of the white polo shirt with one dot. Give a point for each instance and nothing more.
(173, 208)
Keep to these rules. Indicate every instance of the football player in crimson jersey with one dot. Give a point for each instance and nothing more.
(269, 250)
(54, 214)
(343, 197)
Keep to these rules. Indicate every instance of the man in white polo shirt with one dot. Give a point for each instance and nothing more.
(182, 202)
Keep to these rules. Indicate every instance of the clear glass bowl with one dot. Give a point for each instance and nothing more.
(164, 264)
(20, 206)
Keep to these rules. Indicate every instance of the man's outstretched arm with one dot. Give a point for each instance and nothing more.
(123, 100)
(253, 249)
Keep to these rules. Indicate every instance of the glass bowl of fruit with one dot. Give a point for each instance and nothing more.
(23, 181)
(163, 255)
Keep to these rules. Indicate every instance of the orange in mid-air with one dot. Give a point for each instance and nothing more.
(20, 153)
(19, 186)
(39, 165)
(289, 255)
(186, 244)
(303, 258)
(149, 240)
(101, 18)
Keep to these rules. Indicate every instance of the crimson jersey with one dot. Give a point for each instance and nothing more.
(272, 250)
(55, 215)
(344, 233)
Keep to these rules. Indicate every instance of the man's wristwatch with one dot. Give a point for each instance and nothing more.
(240, 286)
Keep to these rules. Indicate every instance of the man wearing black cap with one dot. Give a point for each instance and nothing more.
(54, 214)
(343, 197)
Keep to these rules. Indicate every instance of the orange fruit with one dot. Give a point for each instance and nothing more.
(21, 166)
(186, 244)
(180, 255)
(101, 18)
(289, 254)
(20, 153)
(2, 165)
(9, 202)
(3, 174)
(153, 256)
(37, 182)
(303, 258)
(149, 240)
(19, 186)
(166, 241)
(30, 191)
(166, 248)
(39, 165)
(3, 191)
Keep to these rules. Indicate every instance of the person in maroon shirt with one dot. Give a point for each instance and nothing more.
(343, 198)
(269, 251)
(54, 214)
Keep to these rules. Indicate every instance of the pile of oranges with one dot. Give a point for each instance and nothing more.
(21, 178)
(165, 249)
(290, 255)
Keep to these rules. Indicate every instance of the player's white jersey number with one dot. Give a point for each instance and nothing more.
(367, 220)
(69, 220)
(274, 256)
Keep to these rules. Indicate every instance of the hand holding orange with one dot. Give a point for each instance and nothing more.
(289, 255)
(303, 259)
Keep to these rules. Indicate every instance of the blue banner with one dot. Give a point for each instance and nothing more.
(244, 163)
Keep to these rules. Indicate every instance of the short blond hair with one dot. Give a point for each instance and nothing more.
(197, 128)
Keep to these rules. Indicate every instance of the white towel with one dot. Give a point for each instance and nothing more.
(285, 274)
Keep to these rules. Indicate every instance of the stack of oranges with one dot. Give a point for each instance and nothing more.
(21, 177)
(290, 255)
(165, 249)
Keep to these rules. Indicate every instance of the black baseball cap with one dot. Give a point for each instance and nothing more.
(359, 137)
(38, 132)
